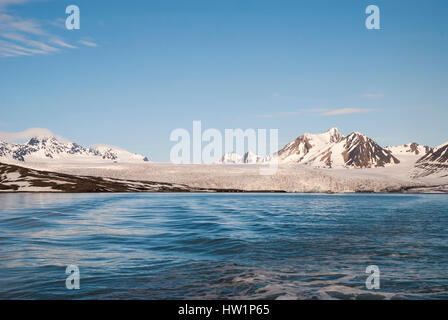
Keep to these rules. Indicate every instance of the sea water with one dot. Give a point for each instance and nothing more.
(221, 246)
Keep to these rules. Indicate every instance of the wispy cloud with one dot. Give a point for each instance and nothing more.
(38, 46)
(26, 37)
(10, 23)
(88, 43)
(343, 111)
(62, 43)
(26, 134)
(58, 23)
(4, 3)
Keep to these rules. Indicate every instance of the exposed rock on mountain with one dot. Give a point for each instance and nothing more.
(362, 152)
(309, 146)
(250, 157)
(434, 163)
(51, 148)
(411, 149)
(331, 149)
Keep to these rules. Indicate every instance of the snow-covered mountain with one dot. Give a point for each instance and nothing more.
(437, 155)
(117, 154)
(332, 149)
(51, 148)
(309, 146)
(231, 157)
(434, 163)
(413, 150)
(250, 157)
(234, 158)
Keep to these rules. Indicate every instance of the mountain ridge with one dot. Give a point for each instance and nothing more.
(433, 163)
(52, 148)
(331, 149)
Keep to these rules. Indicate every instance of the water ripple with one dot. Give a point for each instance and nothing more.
(254, 246)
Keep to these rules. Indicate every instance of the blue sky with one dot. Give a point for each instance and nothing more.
(136, 70)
